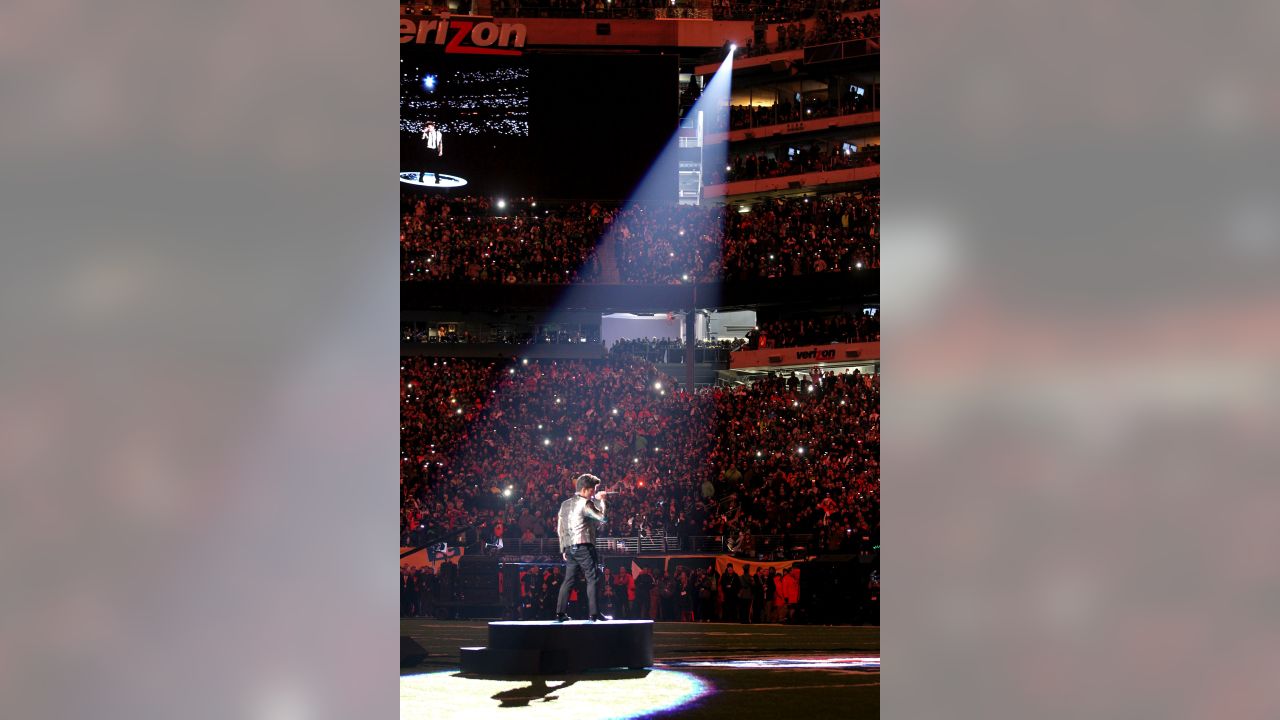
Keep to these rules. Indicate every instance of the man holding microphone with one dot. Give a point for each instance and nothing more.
(577, 525)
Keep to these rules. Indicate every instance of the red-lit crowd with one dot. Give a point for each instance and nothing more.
(844, 327)
(494, 447)
(781, 237)
(744, 594)
(465, 239)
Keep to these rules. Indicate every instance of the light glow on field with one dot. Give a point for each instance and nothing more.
(849, 663)
(589, 696)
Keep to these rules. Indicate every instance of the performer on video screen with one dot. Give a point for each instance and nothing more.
(577, 527)
(435, 150)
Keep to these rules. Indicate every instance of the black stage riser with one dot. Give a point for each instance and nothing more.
(549, 648)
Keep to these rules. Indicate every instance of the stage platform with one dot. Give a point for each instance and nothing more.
(702, 670)
(543, 647)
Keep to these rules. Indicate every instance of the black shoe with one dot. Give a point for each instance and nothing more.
(561, 617)
(597, 616)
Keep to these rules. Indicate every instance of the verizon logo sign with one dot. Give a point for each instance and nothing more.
(465, 36)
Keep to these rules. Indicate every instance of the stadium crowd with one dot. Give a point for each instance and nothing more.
(699, 594)
(816, 330)
(668, 350)
(495, 446)
(792, 160)
(451, 334)
(788, 110)
(834, 233)
(827, 26)
(463, 239)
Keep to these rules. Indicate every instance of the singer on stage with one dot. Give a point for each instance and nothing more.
(577, 525)
(435, 150)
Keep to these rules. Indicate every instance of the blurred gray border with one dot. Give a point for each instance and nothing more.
(1080, 245)
(198, 390)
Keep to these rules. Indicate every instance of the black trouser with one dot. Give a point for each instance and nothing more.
(579, 556)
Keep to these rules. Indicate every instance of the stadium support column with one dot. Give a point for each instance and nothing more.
(691, 341)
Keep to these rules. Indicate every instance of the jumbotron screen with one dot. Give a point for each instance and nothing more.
(537, 124)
